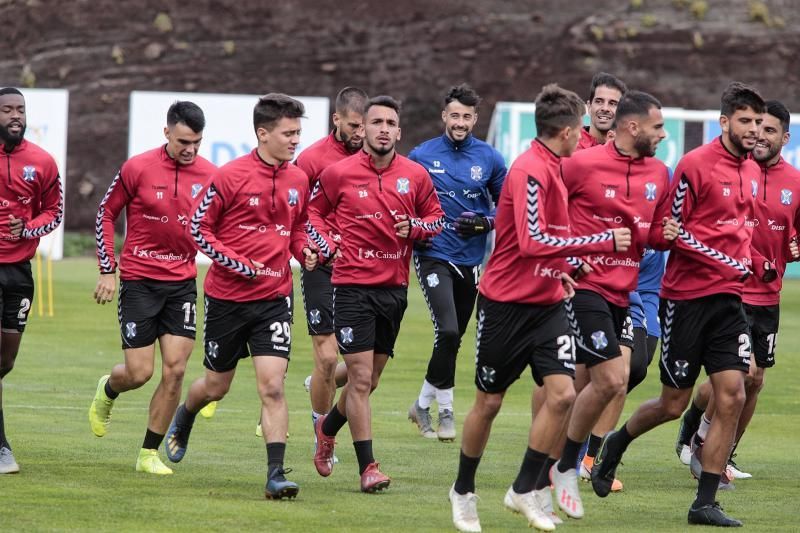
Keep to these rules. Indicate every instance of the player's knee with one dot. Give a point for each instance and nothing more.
(359, 380)
(272, 392)
(217, 391)
(138, 376)
(448, 337)
(672, 409)
(326, 363)
(489, 405)
(612, 386)
(561, 400)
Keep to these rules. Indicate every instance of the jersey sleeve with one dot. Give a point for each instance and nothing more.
(299, 236)
(529, 197)
(429, 217)
(206, 214)
(319, 207)
(51, 206)
(499, 171)
(117, 197)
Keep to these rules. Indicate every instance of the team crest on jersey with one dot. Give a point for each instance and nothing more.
(488, 375)
(29, 173)
(681, 368)
(476, 173)
(754, 186)
(599, 340)
(314, 317)
(293, 196)
(346, 335)
(786, 197)
(433, 280)
(196, 188)
(650, 190)
(130, 330)
(403, 185)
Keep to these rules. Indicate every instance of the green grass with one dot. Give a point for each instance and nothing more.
(71, 480)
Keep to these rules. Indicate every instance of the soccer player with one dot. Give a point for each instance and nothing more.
(605, 92)
(776, 220)
(158, 292)
(249, 221)
(468, 175)
(524, 325)
(345, 140)
(31, 206)
(382, 202)
(617, 184)
(702, 319)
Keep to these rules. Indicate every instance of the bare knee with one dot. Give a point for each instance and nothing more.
(488, 405)
(215, 391)
(611, 386)
(360, 380)
(272, 391)
(560, 400)
(139, 375)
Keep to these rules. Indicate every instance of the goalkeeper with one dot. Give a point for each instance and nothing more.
(468, 175)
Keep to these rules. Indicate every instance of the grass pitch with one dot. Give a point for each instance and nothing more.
(71, 480)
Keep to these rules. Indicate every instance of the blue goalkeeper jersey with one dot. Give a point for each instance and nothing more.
(467, 176)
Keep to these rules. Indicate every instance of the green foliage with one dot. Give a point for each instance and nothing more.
(73, 481)
(698, 9)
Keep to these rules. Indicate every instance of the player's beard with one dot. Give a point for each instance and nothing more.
(736, 141)
(351, 145)
(381, 150)
(772, 152)
(644, 146)
(10, 139)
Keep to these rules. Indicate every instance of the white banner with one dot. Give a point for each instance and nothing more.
(229, 129)
(46, 113)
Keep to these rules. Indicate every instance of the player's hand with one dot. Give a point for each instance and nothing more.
(256, 264)
(469, 224)
(622, 239)
(105, 289)
(311, 259)
(402, 228)
(582, 271)
(569, 285)
(423, 245)
(770, 274)
(794, 249)
(671, 228)
(15, 225)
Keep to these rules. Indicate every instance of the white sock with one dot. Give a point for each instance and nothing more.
(314, 417)
(702, 431)
(444, 397)
(426, 395)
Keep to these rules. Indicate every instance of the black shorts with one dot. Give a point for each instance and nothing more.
(762, 321)
(710, 331)
(149, 309)
(235, 330)
(16, 295)
(600, 327)
(368, 318)
(512, 336)
(318, 299)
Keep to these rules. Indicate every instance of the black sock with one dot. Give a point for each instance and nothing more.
(109, 391)
(276, 451)
(152, 440)
(691, 422)
(621, 439)
(3, 440)
(532, 465)
(594, 445)
(467, 466)
(333, 422)
(569, 457)
(706, 489)
(544, 476)
(364, 454)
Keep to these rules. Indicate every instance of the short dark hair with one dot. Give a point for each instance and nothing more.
(189, 113)
(557, 108)
(636, 103)
(272, 107)
(384, 101)
(351, 99)
(779, 111)
(739, 96)
(465, 94)
(604, 79)
(10, 90)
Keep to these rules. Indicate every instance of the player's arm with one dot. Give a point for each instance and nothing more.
(206, 213)
(528, 197)
(428, 219)
(298, 242)
(116, 198)
(51, 208)
(317, 229)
